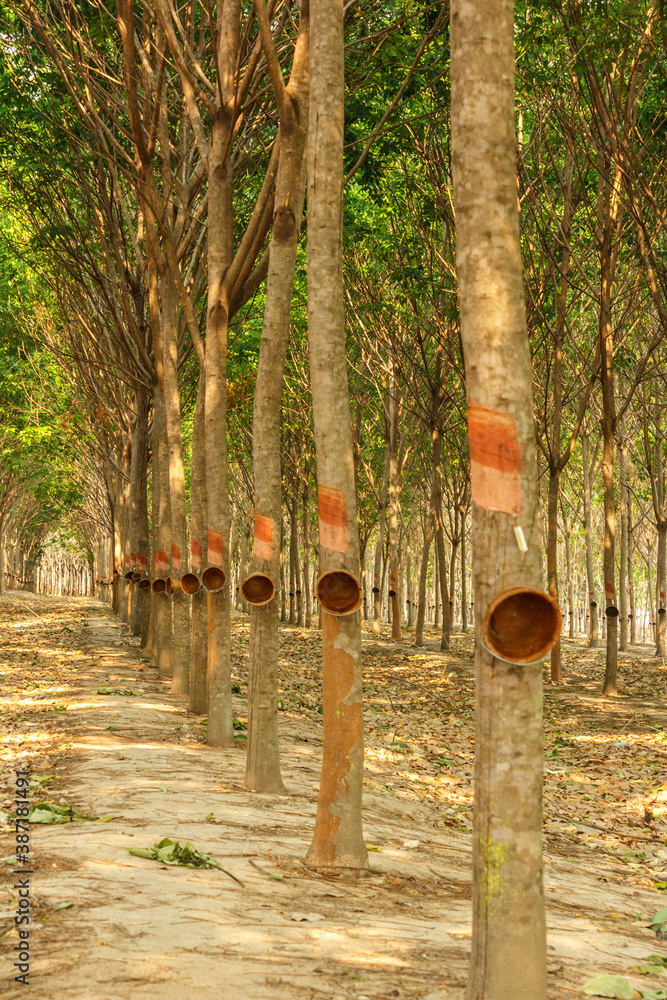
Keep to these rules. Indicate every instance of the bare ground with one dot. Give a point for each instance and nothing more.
(268, 927)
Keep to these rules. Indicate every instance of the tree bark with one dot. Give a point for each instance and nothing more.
(378, 575)
(263, 759)
(509, 930)
(198, 702)
(623, 563)
(423, 573)
(610, 197)
(220, 730)
(392, 518)
(139, 516)
(594, 632)
(338, 839)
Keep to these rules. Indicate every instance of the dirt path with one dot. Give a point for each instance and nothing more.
(270, 928)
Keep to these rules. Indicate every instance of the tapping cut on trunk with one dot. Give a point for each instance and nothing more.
(215, 548)
(213, 579)
(261, 547)
(176, 557)
(339, 592)
(522, 625)
(332, 518)
(258, 589)
(195, 553)
(161, 561)
(495, 460)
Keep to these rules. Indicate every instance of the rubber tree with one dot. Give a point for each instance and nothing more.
(509, 931)
(263, 762)
(338, 839)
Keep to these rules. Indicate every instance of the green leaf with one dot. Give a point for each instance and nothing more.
(653, 994)
(170, 852)
(609, 986)
(277, 878)
(49, 812)
(372, 847)
(659, 917)
(62, 906)
(646, 969)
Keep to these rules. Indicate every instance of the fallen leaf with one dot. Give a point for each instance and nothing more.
(609, 986)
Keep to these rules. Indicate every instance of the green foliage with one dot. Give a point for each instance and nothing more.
(170, 852)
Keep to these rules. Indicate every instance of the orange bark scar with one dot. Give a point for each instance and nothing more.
(176, 557)
(261, 547)
(495, 460)
(333, 518)
(215, 548)
(161, 560)
(609, 590)
(195, 552)
(143, 562)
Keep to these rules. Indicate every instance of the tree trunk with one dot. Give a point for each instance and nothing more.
(509, 929)
(442, 594)
(220, 730)
(623, 567)
(139, 517)
(392, 518)
(409, 586)
(594, 633)
(305, 525)
(611, 197)
(437, 604)
(552, 558)
(660, 576)
(464, 574)
(161, 536)
(378, 576)
(338, 841)
(631, 581)
(198, 651)
(180, 609)
(456, 539)
(423, 573)
(263, 758)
